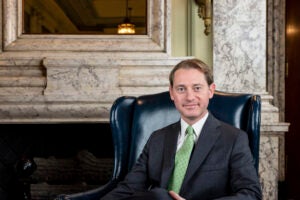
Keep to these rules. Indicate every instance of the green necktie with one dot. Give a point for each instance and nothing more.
(181, 161)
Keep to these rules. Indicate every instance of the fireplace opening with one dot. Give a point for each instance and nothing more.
(70, 157)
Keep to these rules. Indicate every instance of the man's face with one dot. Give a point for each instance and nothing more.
(191, 94)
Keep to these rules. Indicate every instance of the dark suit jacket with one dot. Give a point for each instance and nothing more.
(221, 165)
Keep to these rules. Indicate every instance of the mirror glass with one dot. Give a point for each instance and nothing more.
(83, 16)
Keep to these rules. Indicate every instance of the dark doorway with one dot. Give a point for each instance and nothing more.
(292, 92)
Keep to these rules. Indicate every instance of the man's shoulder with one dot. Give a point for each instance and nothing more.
(221, 123)
(168, 128)
(226, 127)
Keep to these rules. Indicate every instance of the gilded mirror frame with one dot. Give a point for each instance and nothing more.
(156, 40)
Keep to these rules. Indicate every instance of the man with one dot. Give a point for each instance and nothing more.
(220, 165)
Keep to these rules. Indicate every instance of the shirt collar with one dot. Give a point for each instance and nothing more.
(196, 126)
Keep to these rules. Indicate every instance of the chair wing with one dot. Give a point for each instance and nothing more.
(151, 112)
(121, 122)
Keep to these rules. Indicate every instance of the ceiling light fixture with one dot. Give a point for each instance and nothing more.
(126, 27)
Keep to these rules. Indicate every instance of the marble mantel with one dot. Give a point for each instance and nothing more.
(54, 79)
(75, 89)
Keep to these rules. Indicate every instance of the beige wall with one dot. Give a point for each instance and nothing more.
(188, 38)
(179, 33)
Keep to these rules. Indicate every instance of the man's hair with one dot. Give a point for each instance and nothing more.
(193, 64)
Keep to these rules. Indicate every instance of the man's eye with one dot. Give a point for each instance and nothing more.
(180, 89)
(197, 89)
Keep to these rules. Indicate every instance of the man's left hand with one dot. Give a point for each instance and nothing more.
(175, 196)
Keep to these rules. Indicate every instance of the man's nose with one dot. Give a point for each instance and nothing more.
(190, 94)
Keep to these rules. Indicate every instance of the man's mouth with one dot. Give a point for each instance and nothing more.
(190, 106)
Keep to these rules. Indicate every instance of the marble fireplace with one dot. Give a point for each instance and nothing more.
(48, 79)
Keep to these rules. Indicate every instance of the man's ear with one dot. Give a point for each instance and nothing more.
(212, 89)
(171, 92)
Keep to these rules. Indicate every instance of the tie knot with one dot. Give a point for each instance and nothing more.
(189, 130)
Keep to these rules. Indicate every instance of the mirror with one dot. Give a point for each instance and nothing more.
(83, 16)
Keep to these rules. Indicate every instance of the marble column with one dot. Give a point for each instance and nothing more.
(240, 45)
(239, 64)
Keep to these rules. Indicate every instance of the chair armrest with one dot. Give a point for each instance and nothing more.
(94, 194)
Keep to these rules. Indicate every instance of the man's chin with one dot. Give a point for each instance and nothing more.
(192, 117)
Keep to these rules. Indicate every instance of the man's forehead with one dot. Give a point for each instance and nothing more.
(187, 85)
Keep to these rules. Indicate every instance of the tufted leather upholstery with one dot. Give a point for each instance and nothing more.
(134, 119)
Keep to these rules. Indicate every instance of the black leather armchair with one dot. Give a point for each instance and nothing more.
(133, 119)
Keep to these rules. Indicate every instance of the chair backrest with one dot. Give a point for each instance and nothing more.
(133, 120)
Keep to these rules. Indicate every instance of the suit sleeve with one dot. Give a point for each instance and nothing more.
(244, 179)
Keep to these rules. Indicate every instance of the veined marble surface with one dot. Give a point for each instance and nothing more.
(240, 45)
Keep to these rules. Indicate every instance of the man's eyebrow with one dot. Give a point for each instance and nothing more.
(183, 85)
(198, 84)
(180, 85)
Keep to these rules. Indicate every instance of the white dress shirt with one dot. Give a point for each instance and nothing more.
(197, 130)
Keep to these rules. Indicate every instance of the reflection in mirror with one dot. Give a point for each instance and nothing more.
(83, 16)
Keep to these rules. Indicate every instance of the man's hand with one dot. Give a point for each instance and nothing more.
(175, 196)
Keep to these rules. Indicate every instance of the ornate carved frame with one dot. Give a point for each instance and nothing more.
(156, 40)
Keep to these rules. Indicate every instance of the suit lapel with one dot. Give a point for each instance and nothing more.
(170, 145)
(206, 141)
